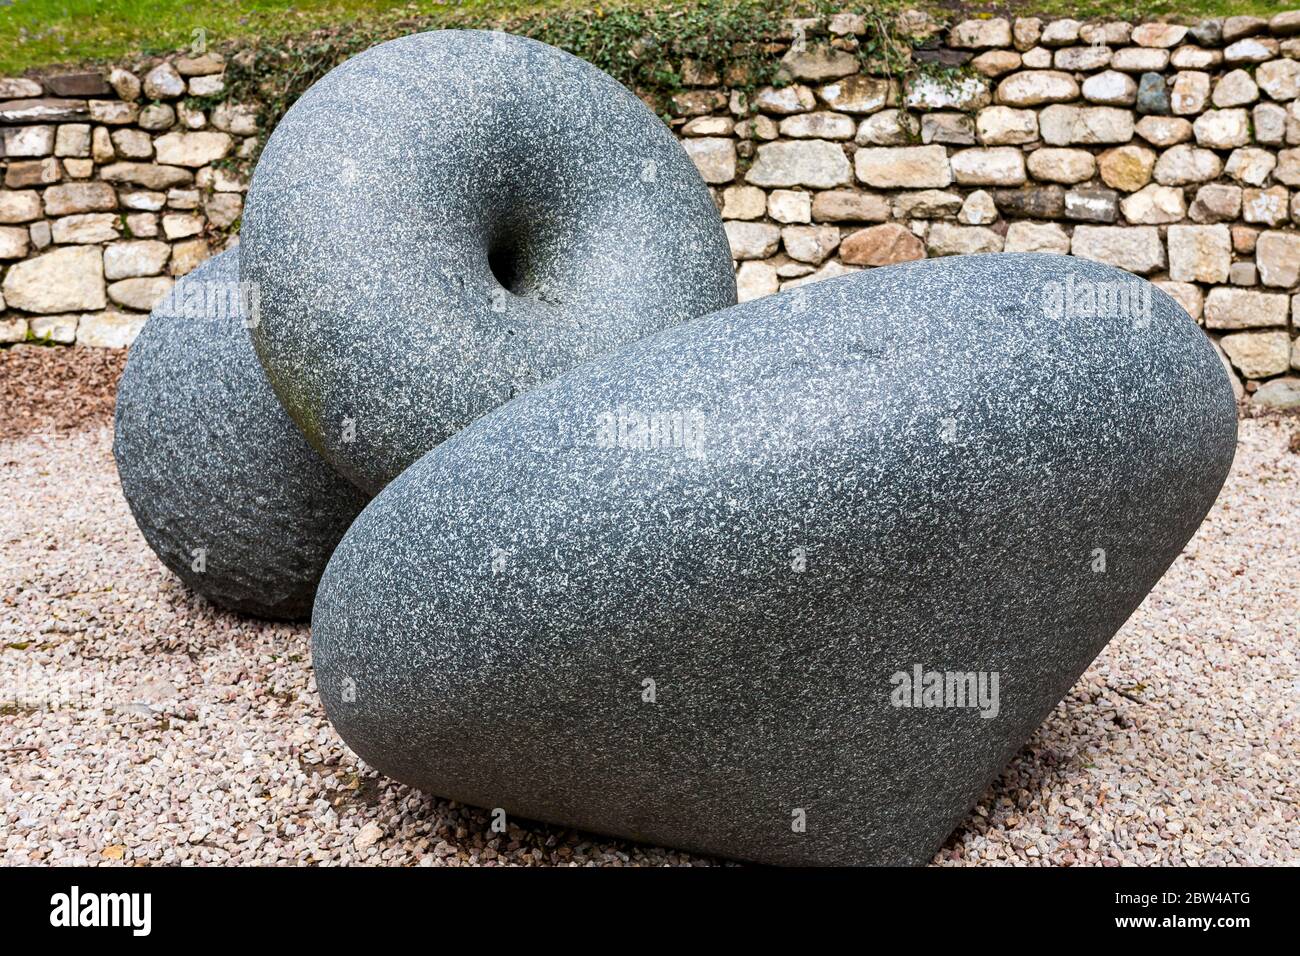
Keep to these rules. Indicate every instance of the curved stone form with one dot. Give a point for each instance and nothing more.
(226, 490)
(450, 218)
(693, 592)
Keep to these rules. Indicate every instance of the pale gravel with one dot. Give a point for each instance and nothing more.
(139, 724)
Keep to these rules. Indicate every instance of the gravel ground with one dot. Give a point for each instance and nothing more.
(138, 724)
(56, 388)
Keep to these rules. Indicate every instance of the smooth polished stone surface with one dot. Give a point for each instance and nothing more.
(448, 219)
(694, 591)
(224, 487)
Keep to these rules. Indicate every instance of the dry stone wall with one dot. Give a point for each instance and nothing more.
(114, 184)
(1169, 150)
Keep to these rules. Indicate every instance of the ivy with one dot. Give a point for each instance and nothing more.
(649, 50)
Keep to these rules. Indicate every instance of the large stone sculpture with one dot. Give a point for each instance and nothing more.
(696, 592)
(450, 218)
(224, 487)
(790, 582)
(418, 257)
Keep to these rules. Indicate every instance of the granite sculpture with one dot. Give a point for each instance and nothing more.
(436, 262)
(787, 581)
(224, 487)
(425, 255)
(675, 594)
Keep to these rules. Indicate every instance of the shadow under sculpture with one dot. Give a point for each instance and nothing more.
(677, 594)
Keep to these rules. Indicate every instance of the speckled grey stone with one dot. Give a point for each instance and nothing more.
(919, 465)
(450, 218)
(215, 472)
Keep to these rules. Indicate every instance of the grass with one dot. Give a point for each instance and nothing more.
(37, 33)
(42, 33)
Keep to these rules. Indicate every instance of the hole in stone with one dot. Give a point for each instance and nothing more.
(506, 265)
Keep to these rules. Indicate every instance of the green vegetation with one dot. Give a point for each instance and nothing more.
(37, 33)
(651, 50)
(643, 47)
(40, 33)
